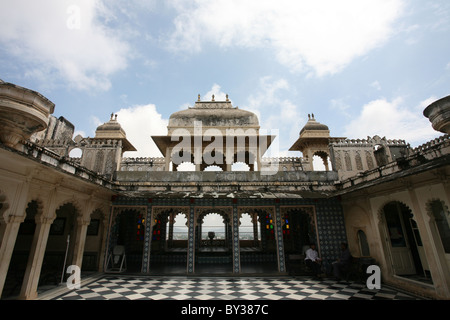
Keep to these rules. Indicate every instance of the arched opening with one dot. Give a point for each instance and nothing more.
(128, 230)
(321, 161)
(240, 166)
(404, 241)
(76, 153)
(380, 155)
(214, 222)
(213, 249)
(169, 242)
(213, 161)
(299, 231)
(182, 161)
(177, 233)
(60, 245)
(213, 168)
(246, 157)
(258, 255)
(248, 231)
(21, 252)
(186, 166)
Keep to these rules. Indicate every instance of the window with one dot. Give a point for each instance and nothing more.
(140, 228)
(269, 226)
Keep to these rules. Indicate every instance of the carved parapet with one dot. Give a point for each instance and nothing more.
(369, 142)
(440, 142)
(144, 160)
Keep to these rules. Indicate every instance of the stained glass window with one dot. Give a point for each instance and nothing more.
(269, 226)
(286, 226)
(157, 230)
(140, 230)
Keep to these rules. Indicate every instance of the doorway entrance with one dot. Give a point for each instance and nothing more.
(404, 241)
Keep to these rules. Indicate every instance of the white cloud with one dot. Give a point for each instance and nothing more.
(376, 85)
(393, 120)
(341, 105)
(323, 35)
(275, 112)
(140, 123)
(63, 40)
(217, 92)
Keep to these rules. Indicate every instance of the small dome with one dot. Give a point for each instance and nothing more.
(214, 114)
(313, 125)
(110, 129)
(113, 130)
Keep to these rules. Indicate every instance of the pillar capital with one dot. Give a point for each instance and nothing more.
(83, 220)
(12, 219)
(43, 219)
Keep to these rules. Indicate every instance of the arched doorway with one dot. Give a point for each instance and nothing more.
(321, 161)
(128, 230)
(60, 245)
(299, 231)
(404, 241)
(213, 252)
(169, 241)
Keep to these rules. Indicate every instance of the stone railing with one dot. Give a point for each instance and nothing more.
(435, 150)
(65, 164)
(369, 141)
(143, 160)
(282, 160)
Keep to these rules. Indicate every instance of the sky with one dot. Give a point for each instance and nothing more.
(362, 67)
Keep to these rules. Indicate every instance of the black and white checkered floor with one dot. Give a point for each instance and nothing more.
(123, 287)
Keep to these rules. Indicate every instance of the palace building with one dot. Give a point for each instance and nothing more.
(104, 212)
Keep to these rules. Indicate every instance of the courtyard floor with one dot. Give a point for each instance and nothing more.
(137, 287)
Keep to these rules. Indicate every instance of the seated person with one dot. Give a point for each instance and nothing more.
(343, 262)
(312, 260)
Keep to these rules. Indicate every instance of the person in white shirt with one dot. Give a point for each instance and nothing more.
(312, 260)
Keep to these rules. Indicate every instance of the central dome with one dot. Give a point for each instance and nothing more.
(313, 125)
(213, 114)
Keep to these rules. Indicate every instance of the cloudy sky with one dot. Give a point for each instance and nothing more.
(363, 67)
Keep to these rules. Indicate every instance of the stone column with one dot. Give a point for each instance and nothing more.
(191, 241)
(10, 230)
(80, 239)
(168, 158)
(36, 257)
(171, 222)
(147, 240)
(279, 240)
(235, 241)
(104, 230)
(10, 222)
(255, 229)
